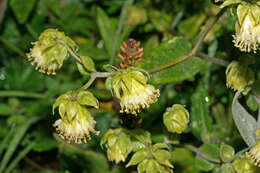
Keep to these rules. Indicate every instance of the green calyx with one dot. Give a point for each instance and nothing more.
(50, 51)
(176, 118)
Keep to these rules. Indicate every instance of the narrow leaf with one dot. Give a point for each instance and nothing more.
(201, 122)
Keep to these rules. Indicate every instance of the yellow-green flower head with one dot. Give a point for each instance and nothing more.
(176, 118)
(118, 145)
(50, 51)
(131, 88)
(244, 165)
(238, 76)
(76, 122)
(254, 154)
(153, 159)
(247, 37)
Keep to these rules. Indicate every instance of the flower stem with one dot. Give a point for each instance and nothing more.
(200, 153)
(194, 51)
(213, 60)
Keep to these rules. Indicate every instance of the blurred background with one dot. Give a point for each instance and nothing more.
(28, 142)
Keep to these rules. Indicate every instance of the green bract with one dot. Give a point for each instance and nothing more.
(50, 51)
(176, 118)
(239, 76)
(131, 88)
(76, 122)
(152, 159)
(243, 165)
(118, 145)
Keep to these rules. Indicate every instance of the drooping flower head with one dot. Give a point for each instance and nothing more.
(50, 51)
(239, 76)
(76, 122)
(247, 37)
(131, 88)
(118, 145)
(254, 154)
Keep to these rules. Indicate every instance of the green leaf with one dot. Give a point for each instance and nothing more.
(211, 150)
(87, 160)
(226, 152)
(201, 122)
(245, 122)
(15, 141)
(22, 9)
(88, 63)
(5, 109)
(203, 165)
(106, 29)
(138, 157)
(167, 52)
(87, 98)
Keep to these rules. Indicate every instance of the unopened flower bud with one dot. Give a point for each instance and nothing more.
(247, 36)
(118, 145)
(176, 118)
(131, 88)
(50, 51)
(152, 159)
(254, 154)
(76, 122)
(239, 76)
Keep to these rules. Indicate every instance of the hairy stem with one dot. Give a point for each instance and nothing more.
(194, 51)
(212, 59)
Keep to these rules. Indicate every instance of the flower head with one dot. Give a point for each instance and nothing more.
(131, 88)
(238, 76)
(118, 145)
(247, 37)
(254, 154)
(50, 51)
(76, 122)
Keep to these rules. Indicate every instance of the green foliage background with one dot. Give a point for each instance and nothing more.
(28, 141)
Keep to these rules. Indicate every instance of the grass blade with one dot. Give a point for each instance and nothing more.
(6, 140)
(20, 132)
(20, 156)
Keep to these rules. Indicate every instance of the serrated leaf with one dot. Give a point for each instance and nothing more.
(166, 52)
(22, 9)
(160, 146)
(245, 122)
(143, 135)
(203, 165)
(201, 122)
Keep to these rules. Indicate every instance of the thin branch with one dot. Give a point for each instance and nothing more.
(195, 49)
(212, 59)
(95, 75)
(201, 154)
